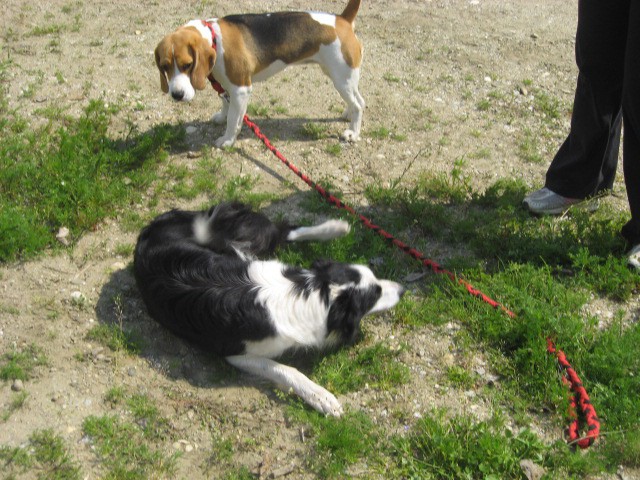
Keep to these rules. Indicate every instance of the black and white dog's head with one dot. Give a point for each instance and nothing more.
(200, 276)
(351, 292)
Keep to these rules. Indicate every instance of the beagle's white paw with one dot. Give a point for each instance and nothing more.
(350, 136)
(224, 142)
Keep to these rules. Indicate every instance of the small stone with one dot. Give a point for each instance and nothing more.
(131, 371)
(376, 261)
(77, 297)
(414, 277)
(62, 235)
(191, 130)
(193, 154)
(531, 470)
(17, 385)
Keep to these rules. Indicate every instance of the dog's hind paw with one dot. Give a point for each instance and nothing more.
(336, 228)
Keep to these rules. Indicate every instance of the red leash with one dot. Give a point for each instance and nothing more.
(580, 400)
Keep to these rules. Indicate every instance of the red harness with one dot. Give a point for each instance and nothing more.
(214, 44)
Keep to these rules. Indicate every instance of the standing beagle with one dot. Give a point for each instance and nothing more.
(237, 50)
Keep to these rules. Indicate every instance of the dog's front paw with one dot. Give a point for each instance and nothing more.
(224, 142)
(349, 136)
(324, 402)
(219, 118)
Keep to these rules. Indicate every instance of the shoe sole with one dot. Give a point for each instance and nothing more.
(588, 205)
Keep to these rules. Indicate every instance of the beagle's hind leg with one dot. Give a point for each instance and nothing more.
(325, 231)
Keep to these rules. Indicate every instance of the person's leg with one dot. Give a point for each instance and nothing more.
(586, 162)
(631, 111)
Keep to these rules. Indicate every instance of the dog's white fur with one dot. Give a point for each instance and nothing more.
(340, 60)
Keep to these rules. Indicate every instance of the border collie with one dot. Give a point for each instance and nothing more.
(200, 277)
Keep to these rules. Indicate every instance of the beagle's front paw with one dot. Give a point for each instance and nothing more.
(349, 136)
(224, 142)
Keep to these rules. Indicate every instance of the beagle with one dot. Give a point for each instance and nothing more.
(237, 50)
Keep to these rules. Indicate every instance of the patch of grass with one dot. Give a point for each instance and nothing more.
(391, 78)
(46, 456)
(48, 29)
(129, 444)
(460, 377)
(529, 148)
(483, 105)
(314, 131)
(124, 450)
(69, 173)
(339, 442)
(124, 249)
(16, 403)
(382, 133)
(334, 149)
(116, 338)
(21, 363)
(351, 369)
(547, 105)
(257, 110)
(459, 448)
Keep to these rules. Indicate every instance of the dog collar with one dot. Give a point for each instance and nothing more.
(214, 44)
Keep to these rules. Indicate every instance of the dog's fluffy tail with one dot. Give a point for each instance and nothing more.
(232, 227)
(351, 10)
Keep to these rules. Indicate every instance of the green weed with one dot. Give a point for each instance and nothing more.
(46, 456)
(20, 364)
(125, 451)
(16, 403)
(116, 338)
(339, 442)
(351, 369)
(314, 131)
(458, 447)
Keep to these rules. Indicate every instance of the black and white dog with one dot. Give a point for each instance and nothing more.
(200, 276)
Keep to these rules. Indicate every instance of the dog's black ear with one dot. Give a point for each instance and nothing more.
(348, 309)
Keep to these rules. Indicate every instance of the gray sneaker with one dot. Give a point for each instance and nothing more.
(633, 259)
(547, 202)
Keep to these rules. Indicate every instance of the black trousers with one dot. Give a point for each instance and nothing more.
(607, 96)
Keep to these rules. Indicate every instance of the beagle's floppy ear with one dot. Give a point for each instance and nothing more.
(162, 60)
(204, 57)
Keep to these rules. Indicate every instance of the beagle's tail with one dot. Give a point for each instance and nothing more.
(351, 10)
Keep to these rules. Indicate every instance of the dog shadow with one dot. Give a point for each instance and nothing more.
(120, 306)
(203, 133)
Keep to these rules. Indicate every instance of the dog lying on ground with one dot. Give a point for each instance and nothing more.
(200, 277)
(238, 50)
